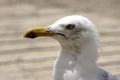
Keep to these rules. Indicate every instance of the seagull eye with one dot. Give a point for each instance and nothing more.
(70, 26)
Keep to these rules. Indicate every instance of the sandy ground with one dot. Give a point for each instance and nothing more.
(24, 59)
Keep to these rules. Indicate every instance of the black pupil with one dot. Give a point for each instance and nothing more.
(70, 26)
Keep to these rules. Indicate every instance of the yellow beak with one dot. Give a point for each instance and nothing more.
(37, 32)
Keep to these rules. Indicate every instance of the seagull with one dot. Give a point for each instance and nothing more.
(79, 42)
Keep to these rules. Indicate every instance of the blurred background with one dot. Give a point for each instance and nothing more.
(25, 59)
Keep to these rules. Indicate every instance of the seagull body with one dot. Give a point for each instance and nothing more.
(79, 49)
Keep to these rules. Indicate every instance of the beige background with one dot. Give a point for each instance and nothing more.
(25, 59)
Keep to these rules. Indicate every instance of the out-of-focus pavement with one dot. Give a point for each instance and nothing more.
(25, 59)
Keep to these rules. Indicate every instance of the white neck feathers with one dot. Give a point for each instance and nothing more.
(76, 61)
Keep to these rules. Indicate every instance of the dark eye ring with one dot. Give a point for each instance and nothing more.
(70, 26)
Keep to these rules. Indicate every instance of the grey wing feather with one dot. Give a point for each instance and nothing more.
(107, 76)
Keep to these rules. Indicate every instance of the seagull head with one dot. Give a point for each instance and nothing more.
(68, 29)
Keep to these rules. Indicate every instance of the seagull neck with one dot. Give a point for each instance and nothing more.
(84, 55)
(88, 50)
(77, 62)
